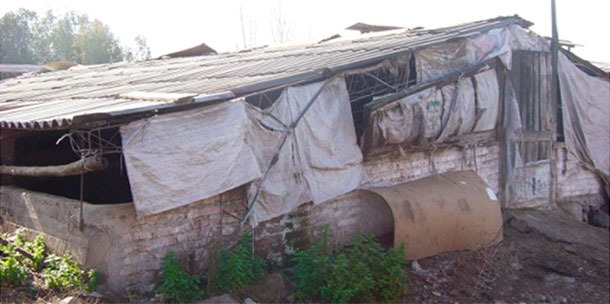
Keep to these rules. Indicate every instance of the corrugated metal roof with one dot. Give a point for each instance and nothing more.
(52, 100)
(604, 66)
(56, 114)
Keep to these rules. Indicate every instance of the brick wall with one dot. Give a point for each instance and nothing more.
(344, 216)
(578, 189)
(134, 246)
(191, 231)
(391, 170)
(573, 179)
(363, 210)
(127, 250)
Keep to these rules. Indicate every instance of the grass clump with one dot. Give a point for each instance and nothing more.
(21, 260)
(234, 271)
(12, 272)
(364, 272)
(238, 268)
(64, 274)
(176, 284)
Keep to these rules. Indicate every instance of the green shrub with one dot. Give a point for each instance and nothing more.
(313, 268)
(37, 249)
(93, 281)
(11, 271)
(63, 273)
(176, 284)
(239, 268)
(392, 282)
(362, 273)
(60, 273)
(339, 287)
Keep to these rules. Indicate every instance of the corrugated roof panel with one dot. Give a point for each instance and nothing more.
(53, 99)
(59, 113)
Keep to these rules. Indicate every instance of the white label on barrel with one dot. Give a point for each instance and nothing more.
(491, 194)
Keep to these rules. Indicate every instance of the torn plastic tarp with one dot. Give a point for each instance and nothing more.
(488, 100)
(437, 61)
(586, 115)
(321, 159)
(437, 114)
(176, 159)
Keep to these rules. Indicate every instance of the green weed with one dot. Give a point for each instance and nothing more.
(63, 273)
(60, 273)
(176, 284)
(362, 273)
(239, 268)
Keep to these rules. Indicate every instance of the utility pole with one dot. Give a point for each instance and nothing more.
(555, 101)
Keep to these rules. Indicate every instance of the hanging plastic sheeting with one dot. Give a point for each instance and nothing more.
(403, 121)
(321, 158)
(586, 112)
(176, 159)
(488, 100)
(513, 128)
(435, 114)
(451, 57)
(440, 60)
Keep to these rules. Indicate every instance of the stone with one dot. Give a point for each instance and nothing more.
(417, 268)
(70, 300)
(558, 299)
(249, 301)
(573, 209)
(520, 225)
(222, 299)
(599, 219)
(272, 290)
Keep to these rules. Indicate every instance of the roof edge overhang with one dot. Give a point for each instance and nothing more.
(94, 120)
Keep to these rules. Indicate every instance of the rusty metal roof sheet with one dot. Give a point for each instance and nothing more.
(52, 100)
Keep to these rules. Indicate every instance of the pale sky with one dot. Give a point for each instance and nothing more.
(174, 25)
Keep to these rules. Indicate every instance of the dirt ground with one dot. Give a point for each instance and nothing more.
(544, 257)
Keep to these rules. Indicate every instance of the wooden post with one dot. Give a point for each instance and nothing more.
(554, 100)
(87, 164)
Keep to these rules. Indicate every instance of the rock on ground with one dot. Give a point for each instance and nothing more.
(222, 299)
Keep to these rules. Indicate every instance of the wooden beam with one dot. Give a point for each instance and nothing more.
(84, 165)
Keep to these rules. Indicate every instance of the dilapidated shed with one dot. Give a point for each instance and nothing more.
(368, 133)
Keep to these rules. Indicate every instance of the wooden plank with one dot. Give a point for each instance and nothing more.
(535, 92)
(535, 136)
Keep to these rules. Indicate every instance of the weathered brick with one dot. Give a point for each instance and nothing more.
(204, 211)
(158, 242)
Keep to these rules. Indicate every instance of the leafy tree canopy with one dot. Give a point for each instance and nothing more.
(26, 37)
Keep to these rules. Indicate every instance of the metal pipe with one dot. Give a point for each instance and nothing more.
(276, 156)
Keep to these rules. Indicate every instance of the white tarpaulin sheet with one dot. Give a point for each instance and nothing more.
(176, 159)
(586, 115)
(437, 114)
(437, 61)
(321, 159)
(488, 100)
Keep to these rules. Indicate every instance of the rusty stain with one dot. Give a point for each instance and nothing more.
(409, 210)
(463, 205)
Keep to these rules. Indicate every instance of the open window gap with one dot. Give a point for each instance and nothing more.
(41, 148)
(387, 79)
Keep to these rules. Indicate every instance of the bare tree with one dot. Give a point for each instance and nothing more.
(280, 25)
(248, 30)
